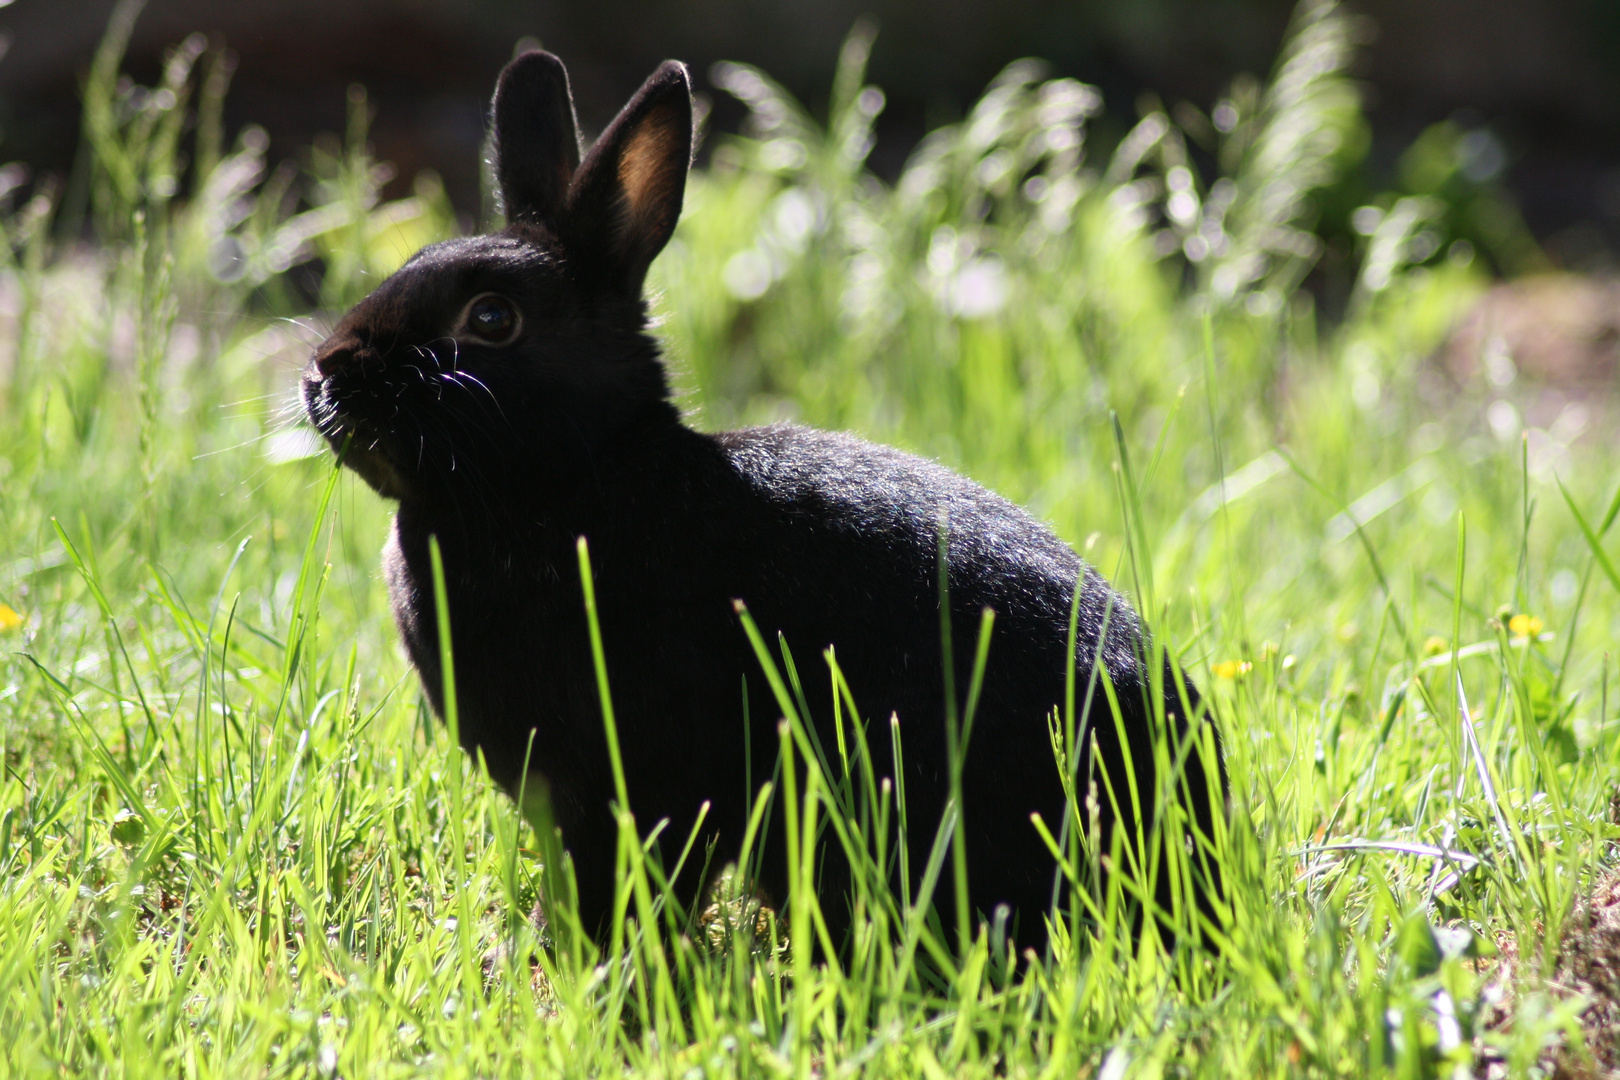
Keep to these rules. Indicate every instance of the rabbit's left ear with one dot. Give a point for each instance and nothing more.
(626, 196)
(536, 138)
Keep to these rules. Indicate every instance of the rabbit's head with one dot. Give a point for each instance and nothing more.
(521, 354)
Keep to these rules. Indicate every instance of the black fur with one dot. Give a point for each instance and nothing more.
(509, 453)
(536, 136)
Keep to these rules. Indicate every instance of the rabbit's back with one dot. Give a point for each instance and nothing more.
(856, 565)
(845, 549)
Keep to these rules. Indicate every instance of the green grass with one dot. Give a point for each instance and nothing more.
(233, 840)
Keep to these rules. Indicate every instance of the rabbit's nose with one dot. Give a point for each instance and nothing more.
(334, 357)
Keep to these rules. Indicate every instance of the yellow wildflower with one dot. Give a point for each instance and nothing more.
(1434, 646)
(1522, 625)
(1231, 669)
(10, 618)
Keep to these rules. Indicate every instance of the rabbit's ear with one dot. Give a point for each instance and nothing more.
(536, 138)
(627, 195)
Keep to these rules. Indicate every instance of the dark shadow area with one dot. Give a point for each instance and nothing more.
(1544, 76)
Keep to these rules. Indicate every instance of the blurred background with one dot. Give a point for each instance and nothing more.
(1539, 82)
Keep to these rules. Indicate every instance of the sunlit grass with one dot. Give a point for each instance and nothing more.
(233, 840)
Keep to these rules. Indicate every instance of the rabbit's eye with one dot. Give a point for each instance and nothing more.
(491, 318)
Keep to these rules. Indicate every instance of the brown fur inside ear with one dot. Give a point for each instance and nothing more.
(626, 196)
(653, 162)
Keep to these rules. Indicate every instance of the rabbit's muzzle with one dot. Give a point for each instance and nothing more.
(340, 401)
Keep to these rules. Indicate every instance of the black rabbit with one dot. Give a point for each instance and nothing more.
(505, 390)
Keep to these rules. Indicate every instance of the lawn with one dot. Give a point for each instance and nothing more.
(234, 841)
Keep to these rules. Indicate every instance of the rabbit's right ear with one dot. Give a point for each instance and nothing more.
(627, 194)
(536, 138)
